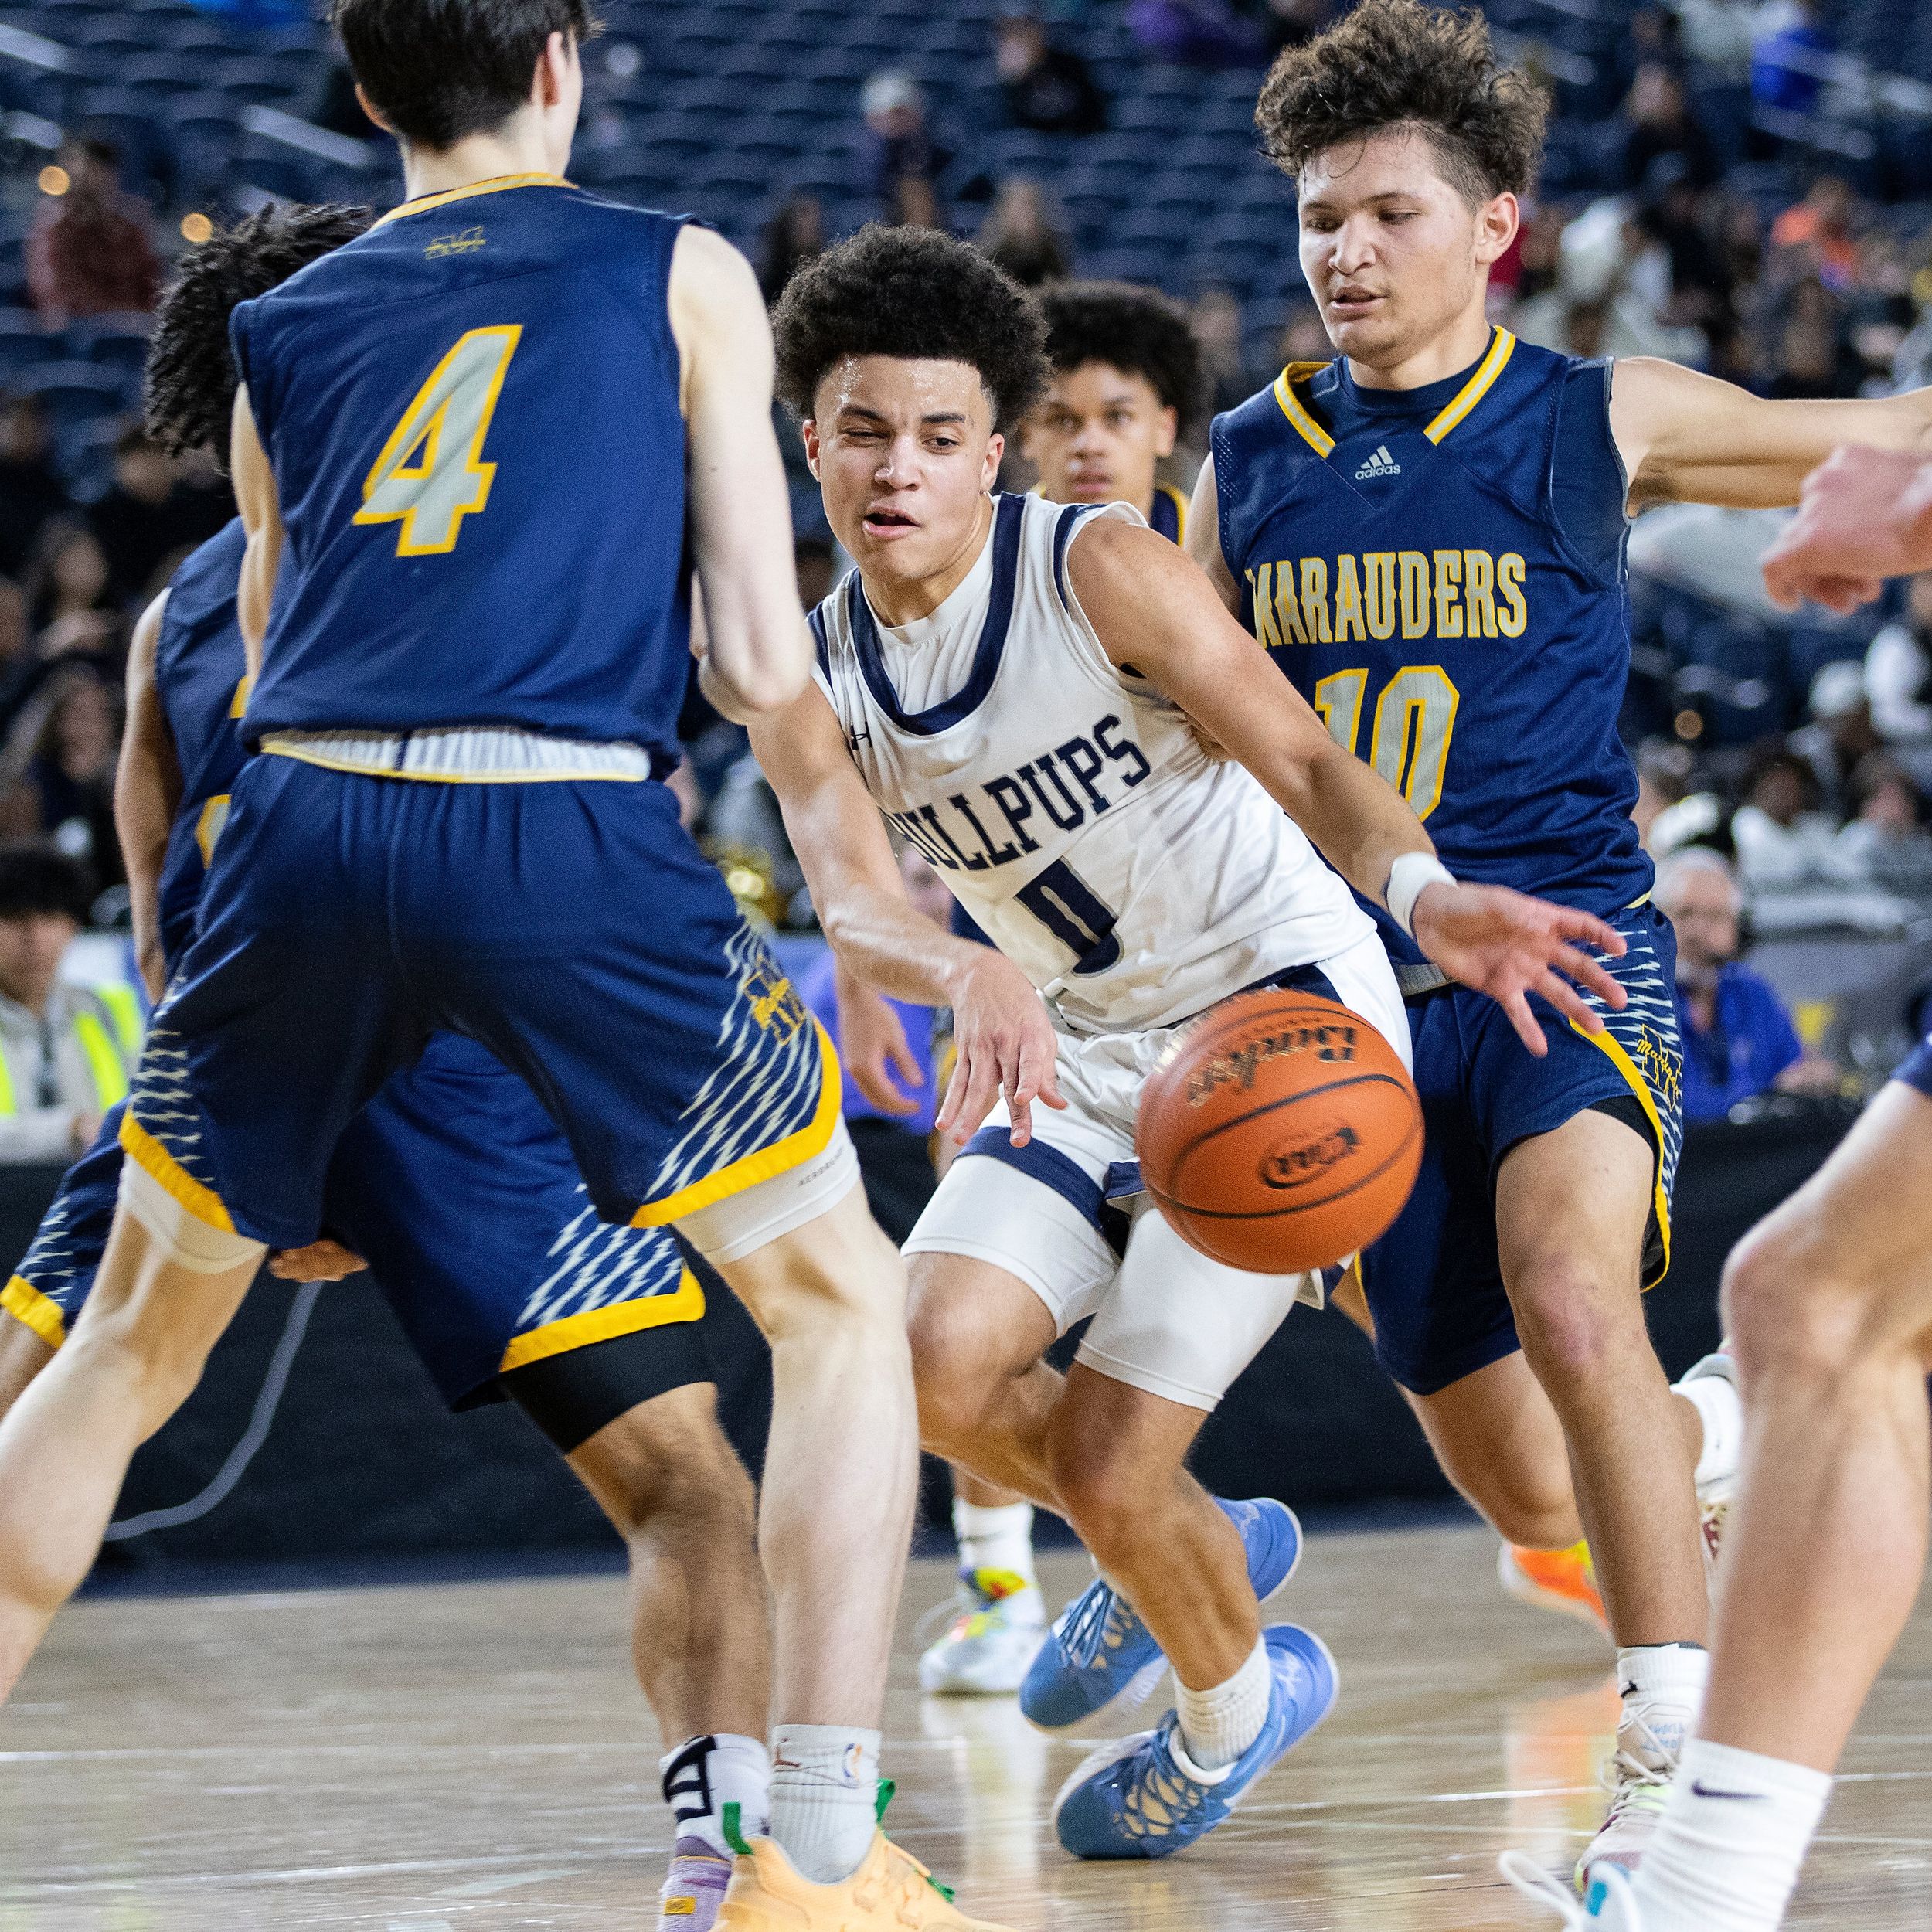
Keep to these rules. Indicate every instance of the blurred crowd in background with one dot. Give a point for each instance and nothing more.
(1743, 187)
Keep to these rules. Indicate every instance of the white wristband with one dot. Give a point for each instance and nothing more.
(1407, 878)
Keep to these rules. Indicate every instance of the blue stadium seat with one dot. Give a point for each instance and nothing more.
(72, 391)
(23, 344)
(257, 83)
(116, 343)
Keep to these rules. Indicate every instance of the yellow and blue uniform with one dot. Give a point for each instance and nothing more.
(469, 695)
(1170, 513)
(453, 1183)
(1439, 571)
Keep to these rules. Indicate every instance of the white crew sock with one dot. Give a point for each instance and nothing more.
(997, 1538)
(1217, 1726)
(1663, 1690)
(825, 1798)
(1716, 1400)
(1728, 1848)
(705, 1774)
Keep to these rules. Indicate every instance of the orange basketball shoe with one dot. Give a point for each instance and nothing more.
(1564, 1580)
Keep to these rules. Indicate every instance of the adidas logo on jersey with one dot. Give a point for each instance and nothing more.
(1381, 463)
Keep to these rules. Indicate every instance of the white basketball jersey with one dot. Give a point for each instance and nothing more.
(1133, 878)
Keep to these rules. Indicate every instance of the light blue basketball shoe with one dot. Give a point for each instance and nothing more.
(1099, 1656)
(1140, 1798)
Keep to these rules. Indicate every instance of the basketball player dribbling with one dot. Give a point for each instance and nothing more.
(1828, 1302)
(973, 686)
(1427, 534)
(470, 448)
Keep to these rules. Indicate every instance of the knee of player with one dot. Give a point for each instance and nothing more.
(1784, 1311)
(1533, 1514)
(1572, 1324)
(151, 1368)
(955, 1371)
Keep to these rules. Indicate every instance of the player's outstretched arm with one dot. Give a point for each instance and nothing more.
(1865, 514)
(259, 503)
(757, 653)
(148, 788)
(1689, 438)
(1004, 1039)
(1151, 608)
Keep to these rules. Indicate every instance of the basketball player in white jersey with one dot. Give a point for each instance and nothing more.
(1017, 685)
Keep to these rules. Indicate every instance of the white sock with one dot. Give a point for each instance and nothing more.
(1217, 1726)
(825, 1798)
(1663, 1690)
(1000, 1537)
(1733, 1834)
(705, 1774)
(1715, 1398)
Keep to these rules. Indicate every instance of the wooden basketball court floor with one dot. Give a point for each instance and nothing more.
(475, 1757)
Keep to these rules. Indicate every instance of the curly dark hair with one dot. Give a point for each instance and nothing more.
(1396, 62)
(189, 392)
(1138, 330)
(914, 293)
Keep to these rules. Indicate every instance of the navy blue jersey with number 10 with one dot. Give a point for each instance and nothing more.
(472, 415)
(1438, 571)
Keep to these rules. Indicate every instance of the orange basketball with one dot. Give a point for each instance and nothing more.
(1280, 1133)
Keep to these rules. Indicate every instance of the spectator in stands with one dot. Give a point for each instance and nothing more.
(66, 1051)
(1886, 845)
(1898, 675)
(1789, 40)
(1304, 338)
(1662, 128)
(88, 251)
(895, 1151)
(32, 493)
(147, 518)
(1216, 315)
(1808, 364)
(1738, 1040)
(795, 233)
(70, 603)
(1195, 33)
(1717, 34)
(1840, 736)
(902, 161)
(1019, 235)
(1784, 842)
(1049, 89)
(64, 747)
(1821, 226)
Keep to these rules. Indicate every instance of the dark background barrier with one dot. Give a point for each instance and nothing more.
(357, 1458)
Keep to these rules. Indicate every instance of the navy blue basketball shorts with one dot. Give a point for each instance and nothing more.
(457, 1189)
(1915, 1069)
(1434, 1281)
(571, 927)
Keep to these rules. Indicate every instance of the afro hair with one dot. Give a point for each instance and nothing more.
(192, 378)
(1136, 330)
(1393, 63)
(916, 294)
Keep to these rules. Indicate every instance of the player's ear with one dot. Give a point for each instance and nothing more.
(1167, 426)
(1497, 221)
(553, 66)
(809, 429)
(369, 108)
(995, 454)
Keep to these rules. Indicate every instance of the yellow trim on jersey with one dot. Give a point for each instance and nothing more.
(238, 705)
(1640, 1086)
(1181, 505)
(794, 1150)
(454, 778)
(1310, 430)
(604, 1324)
(496, 185)
(26, 1303)
(148, 1154)
(1478, 386)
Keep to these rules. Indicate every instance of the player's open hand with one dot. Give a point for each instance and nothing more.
(1509, 946)
(1006, 1047)
(1856, 527)
(873, 1048)
(323, 1260)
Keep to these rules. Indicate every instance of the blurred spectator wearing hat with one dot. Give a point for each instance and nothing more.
(67, 1052)
(902, 161)
(1048, 88)
(88, 252)
(1739, 1041)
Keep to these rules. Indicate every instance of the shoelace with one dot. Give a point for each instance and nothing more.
(1534, 1882)
(1636, 1783)
(1099, 1621)
(1166, 1797)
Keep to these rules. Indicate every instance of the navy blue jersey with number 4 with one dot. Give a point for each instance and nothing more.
(1439, 571)
(472, 414)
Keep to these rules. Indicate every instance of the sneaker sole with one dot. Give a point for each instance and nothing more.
(1526, 1589)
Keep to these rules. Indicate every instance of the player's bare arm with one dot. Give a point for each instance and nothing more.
(1004, 1039)
(260, 502)
(1152, 609)
(1690, 438)
(1864, 514)
(757, 654)
(1204, 542)
(148, 788)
